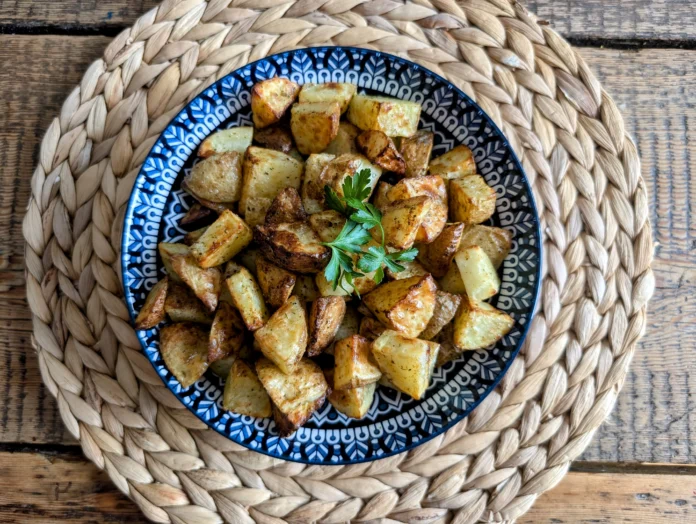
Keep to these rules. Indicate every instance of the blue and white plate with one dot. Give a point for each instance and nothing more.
(395, 422)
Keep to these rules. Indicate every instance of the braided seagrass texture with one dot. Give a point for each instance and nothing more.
(519, 442)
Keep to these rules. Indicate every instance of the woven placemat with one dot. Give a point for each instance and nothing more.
(519, 442)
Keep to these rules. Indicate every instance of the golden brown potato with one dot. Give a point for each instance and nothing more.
(267, 173)
(236, 139)
(355, 366)
(327, 224)
(456, 163)
(284, 337)
(195, 213)
(381, 199)
(293, 246)
(276, 283)
(478, 324)
(349, 326)
(192, 237)
(217, 178)
(344, 141)
(495, 242)
(446, 305)
(286, 207)
(341, 93)
(364, 310)
(371, 328)
(437, 256)
(448, 351)
(277, 138)
(305, 288)
(226, 333)
(416, 151)
(247, 298)
(325, 318)
(405, 305)
(402, 220)
(313, 185)
(182, 305)
(222, 367)
(167, 250)
(472, 201)
(391, 116)
(354, 403)
(406, 363)
(184, 348)
(247, 258)
(314, 125)
(244, 393)
(215, 207)
(480, 278)
(205, 283)
(152, 312)
(430, 186)
(341, 167)
(452, 281)
(256, 209)
(270, 99)
(381, 151)
(411, 269)
(225, 237)
(296, 396)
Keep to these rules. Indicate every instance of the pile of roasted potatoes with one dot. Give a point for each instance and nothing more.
(245, 290)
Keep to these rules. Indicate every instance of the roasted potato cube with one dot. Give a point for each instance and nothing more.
(391, 116)
(381, 199)
(286, 207)
(430, 186)
(313, 184)
(381, 151)
(446, 305)
(247, 258)
(222, 367)
(354, 403)
(152, 312)
(205, 283)
(336, 171)
(184, 348)
(448, 351)
(355, 366)
(416, 150)
(327, 224)
(407, 363)
(314, 125)
(437, 256)
(364, 310)
(182, 305)
(478, 324)
(236, 139)
(284, 337)
(456, 163)
(244, 393)
(405, 305)
(276, 283)
(248, 299)
(361, 285)
(341, 93)
(216, 207)
(371, 328)
(270, 99)
(293, 246)
(495, 242)
(349, 326)
(267, 173)
(277, 138)
(472, 201)
(167, 250)
(217, 178)
(192, 237)
(305, 288)
(226, 333)
(296, 396)
(344, 141)
(480, 278)
(402, 220)
(411, 269)
(225, 237)
(452, 281)
(195, 213)
(256, 209)
(325, 318)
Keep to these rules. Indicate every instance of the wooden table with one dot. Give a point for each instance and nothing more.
(640, 466)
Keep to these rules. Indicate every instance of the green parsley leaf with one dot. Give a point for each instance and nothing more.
(333, 201)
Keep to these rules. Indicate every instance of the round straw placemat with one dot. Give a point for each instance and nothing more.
(519, 442)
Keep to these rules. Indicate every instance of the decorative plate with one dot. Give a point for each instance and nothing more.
(395, 422)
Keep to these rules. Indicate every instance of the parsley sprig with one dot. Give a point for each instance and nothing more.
(362, 216)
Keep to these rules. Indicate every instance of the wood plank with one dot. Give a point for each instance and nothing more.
(64, 487)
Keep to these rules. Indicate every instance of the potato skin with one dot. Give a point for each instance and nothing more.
(152, 312)
(437, 256)
(277, 138)
(381, 151)
(184, 347)
(416, 151)
(234, 139)
(286, 207)
(478, 325)
(182, 305)
(226, 333)
(223, 239)
(472, 201)
(276, 283)
(495, 242)
(217, 178)
(195, 213)
(167, 251)
(446, 306)
(314, 125)
(270, 99)
(325, 318)
(244, 393)
(205, 283)
(293, 246)
(192, 237)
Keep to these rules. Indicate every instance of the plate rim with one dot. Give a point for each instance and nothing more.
(536, 228)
